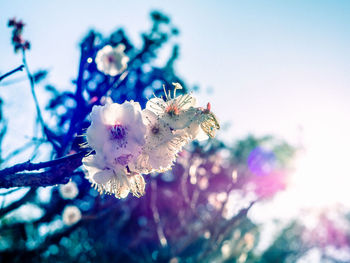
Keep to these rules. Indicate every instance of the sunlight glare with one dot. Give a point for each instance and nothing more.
(322, 176)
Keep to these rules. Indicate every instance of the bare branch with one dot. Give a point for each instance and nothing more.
(59, 172)
(28, 166)
(20, 68)
(222, 232)
(46, 130)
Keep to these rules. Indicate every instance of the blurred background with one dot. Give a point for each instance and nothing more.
(276, 179)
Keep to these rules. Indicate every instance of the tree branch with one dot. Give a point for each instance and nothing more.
(59, 172)
(20, 68)
(221, 232)
(80, 105)
(46, 130)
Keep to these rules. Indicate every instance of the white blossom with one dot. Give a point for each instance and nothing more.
(180, 113)
(129, 142)
(116, 132)
(71, 215)
(172, 109)
(115, 180)
(111, 61)
(162, 144)
(69, 190)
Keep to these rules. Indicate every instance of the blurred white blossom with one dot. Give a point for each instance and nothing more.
(69, 190)
(71, 215)
(226, 250)
(112, 61)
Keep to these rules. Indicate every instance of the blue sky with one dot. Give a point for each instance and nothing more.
(273, 66)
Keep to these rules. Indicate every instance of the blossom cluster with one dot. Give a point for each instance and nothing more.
(128, 142)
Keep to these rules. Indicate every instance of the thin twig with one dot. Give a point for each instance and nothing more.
(36, 102)
(20, 68)
(13, 81)
(32, 88)
(27, 197)
(162, 239)
(217, 238)
(10, 191)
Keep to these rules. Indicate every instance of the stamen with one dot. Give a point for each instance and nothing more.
(111, 59)
(177, 86)
(172, 110)
(118, 132)
(157, 104)
(166, 95)
(184, 100)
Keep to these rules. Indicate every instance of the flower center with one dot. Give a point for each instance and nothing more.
(172, 110)
(118, 132)
(110, 59)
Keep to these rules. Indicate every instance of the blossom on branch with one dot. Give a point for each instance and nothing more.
(117, 132)
(112, 61)
(161, 146)
(71, 215)
(172, 110)
(129, 142)
(69, 190)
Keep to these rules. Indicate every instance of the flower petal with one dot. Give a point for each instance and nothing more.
(103, 176)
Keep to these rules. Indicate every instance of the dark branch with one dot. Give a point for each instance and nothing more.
(80, 105)
(59, 172)
(28, 166)
(20, 68)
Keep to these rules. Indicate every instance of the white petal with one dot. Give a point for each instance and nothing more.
(97, 133)
(156, 105)
(124, 192)
(196, 132)
(103, 176)
(137, 184)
